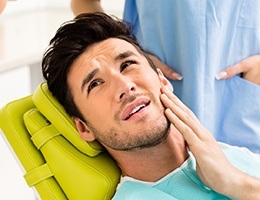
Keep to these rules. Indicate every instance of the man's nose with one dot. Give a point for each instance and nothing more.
(124, 88)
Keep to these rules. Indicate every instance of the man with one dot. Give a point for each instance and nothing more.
(216, 49)
(107, 83)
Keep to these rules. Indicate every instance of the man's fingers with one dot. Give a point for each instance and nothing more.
(187, 121)
(176, 101)
(172, 97)
(190, 137)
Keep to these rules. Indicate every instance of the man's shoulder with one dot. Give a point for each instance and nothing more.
(242, 158)
(246, 151)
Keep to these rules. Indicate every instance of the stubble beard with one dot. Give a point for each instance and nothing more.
(147, 137)
(150, 135)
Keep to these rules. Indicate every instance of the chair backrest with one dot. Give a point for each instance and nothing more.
(56, 161)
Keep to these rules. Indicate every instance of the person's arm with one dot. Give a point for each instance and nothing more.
(85, 6)
(213, 167)
(2, 5)
(245, 187)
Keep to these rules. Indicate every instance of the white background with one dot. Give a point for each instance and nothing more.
(15, 84)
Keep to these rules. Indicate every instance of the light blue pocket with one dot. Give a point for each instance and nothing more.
(250, 14)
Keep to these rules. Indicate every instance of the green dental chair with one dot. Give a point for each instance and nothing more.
(58, 163)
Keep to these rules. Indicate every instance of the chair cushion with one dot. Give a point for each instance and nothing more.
(28, 156)
(49, 106)
(80, 176)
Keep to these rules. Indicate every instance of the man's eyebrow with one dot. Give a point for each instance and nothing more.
(88, 78)
(124, 55)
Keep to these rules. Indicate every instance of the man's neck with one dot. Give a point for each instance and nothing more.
(151, 164)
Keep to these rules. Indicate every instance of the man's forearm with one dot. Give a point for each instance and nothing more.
(244, 187)
(85, 6)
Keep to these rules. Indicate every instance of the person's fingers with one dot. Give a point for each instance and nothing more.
(247, 65)
(187, 121)
(190, 137)
(231, 71)
(174, 99)
(184, 114)
(167, 71)
(253, 72)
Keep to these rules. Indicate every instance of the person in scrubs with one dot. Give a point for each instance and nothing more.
(209, 50)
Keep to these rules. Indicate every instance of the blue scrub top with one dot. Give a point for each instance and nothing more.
(199, 39)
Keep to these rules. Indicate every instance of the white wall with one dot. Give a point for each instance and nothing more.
(15, 84)
(110, 6)
(22, 5)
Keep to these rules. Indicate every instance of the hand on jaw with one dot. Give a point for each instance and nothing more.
(212, 165)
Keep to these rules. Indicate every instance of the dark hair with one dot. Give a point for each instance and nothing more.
(70, 41)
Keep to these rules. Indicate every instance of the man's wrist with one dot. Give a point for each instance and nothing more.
(243, 186)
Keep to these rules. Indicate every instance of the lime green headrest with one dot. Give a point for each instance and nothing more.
(78, 175)
(49, 106)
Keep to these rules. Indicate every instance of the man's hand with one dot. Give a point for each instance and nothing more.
(212, 165)
(249, 67)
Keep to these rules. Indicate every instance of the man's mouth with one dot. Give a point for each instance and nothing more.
(135, 107)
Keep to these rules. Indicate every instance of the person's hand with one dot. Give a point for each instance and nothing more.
(213, 167)
(249, 67)
(85, 6)
(167, 71)
(2, 5)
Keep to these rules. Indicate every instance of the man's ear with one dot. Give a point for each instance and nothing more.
(164, 81)
(84, 131)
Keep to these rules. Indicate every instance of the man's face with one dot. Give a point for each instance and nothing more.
(118, 92)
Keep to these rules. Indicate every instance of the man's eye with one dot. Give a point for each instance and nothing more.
(126, 64)
(94, 84)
